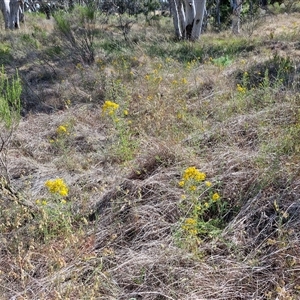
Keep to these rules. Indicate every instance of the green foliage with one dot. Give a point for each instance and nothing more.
(203, 207)
(10, 113)
(183, 52)
(54, 51)
(62, 23)
(49, 218)
(77, 30)
(124, 146)
(112, 46)
(150, 6)
(217, 49)
(29, 40)
(61, 140)
(222, 61)
(231, 47)
(55, 218)
(10, 103)
(276, 72)
(5, 53)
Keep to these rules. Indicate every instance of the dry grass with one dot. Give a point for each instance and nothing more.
(119, 232)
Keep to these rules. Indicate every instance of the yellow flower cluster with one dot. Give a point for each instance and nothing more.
(241, 89)
(153, 77)
(208, 183)
(189, 174)
(193, 173)
(109, 107)
(62, 129)
(57, 186)
(184, 81)
(41, 202)
(190, 225)
(215, 197)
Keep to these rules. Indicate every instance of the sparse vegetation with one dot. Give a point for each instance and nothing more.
(10, 114)
(144, 168)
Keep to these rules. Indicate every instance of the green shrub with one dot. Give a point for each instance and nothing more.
(77, 30)
(10, 110)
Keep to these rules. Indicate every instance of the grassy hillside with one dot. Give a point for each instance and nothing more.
(146, 168)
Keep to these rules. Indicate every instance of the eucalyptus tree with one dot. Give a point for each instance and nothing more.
(12, 11)
(188, 18)
(236, 6)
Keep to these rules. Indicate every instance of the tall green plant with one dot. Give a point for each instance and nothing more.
(10, 113)
(77, 29)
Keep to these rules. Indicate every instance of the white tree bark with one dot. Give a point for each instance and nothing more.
(200, 7)
(176, 8)
(11, 10)
(15, 13)
(5, 8)
(236, 6)
(188, 18)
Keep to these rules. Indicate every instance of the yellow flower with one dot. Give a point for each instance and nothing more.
(38, 201)
(190, 225)
(193, 231)
(62, 129)
(67, 103)
(241, 89)
(109, 107)
(183, 197)
(125, 112)
(208, 183)
(184, 81)
(193, 173)
(57, 186)
(79, 66)
(198, 207)
(206, 205)
(200, 176)
(181, 183)
(63, 201)
(215, 197)
(44, 202)
(190, 222)
(193, 188)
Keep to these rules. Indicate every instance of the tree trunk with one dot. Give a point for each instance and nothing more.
(200, 7)
(188, 18)
(236, 6)
(5, 8)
